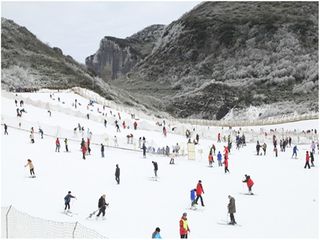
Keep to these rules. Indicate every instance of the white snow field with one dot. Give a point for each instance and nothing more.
(285, 204)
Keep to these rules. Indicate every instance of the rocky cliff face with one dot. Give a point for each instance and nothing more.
(27, 63)
(230, 55)
(116, 57)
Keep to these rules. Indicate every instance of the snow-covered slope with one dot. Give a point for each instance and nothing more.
(286, 203)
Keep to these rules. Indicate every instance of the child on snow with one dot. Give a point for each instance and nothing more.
(193, 196)
(31, 167)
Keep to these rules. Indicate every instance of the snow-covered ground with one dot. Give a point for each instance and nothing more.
(286, 203)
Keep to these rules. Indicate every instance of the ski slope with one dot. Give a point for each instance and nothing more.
(286, 203)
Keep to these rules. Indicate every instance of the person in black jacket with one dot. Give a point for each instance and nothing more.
(155, 165)
(258, 148)
(144, 149)
(67, 200)
(102, 150)
(102, 205)
(117, 174)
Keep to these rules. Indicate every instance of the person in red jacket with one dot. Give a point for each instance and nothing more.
(57, 145)
(210, 158)
(184, 227)
(307, 160)
(226, 164)
(249, 182)
(226, 151)
(199, 191)
(84, 150)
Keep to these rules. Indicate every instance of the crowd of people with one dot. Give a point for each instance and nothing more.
(196, 193)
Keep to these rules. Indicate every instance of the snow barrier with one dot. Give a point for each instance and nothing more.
(17, 224)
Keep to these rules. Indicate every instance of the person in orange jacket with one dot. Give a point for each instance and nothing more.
(210, 158)
(184, 227)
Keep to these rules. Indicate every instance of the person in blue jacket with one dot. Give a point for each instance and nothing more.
(156, 233)
(193, 196)
(295, 151)
(219, 158)
(67, 200)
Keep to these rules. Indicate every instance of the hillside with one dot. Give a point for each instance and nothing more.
(27, 63)
(116, 57)
(224, 56)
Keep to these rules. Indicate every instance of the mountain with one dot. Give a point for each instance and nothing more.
(225, 57)
(28, 63)
(116, 57)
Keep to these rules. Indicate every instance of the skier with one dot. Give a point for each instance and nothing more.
(290, 140)
(82, 143)
(264, 148)
(66, 144)
(249, 182)
(164, 131)
(105, 123)
(210, 158)
(258, 148)
(102, 150)
(31, 167)
(155, 165)
(307, 160)
(199, 191)
(32, 137)
(16, 102)
(102, 206)
(219, 137)
(275, 150)
(88, 145)
(67, 200)
(193, 196)
(5, 129)
(84, 150)
(219, 157)
(156, 233)
(214, 149)
(117, 174)
(41, 132)
(232, 209)
(197, 138)
(144, 149)
(135, 124)
(57, 145)
(312, 159)
(226, 164)
(295, 150)
(184, 227)
(172, 156)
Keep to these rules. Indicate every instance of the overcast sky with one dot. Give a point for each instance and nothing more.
(78, 27)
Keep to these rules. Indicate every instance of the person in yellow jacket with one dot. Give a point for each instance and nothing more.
(31, 167)
(184, 227)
